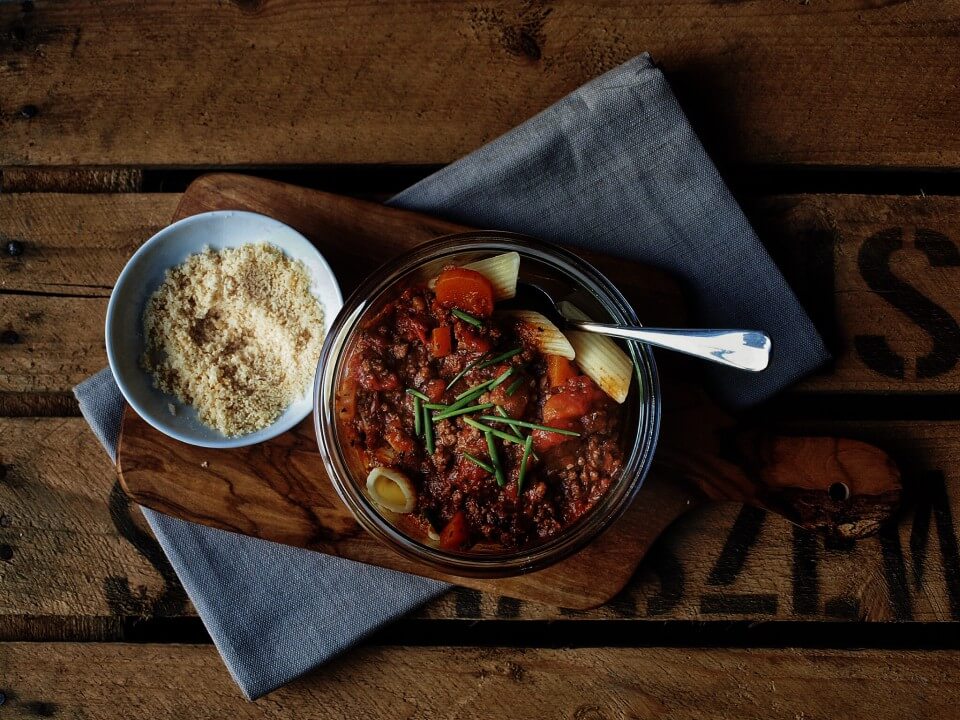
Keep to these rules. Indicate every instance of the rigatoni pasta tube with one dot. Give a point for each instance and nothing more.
(546, 335)
(392, 490)
(599, 357)
(502, 271)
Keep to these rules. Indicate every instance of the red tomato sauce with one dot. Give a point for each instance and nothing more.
(417, 342)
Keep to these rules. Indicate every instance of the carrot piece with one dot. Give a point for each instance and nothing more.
(571, 403)
(466, 290)
(564, 410)
(441, 342)
(559, 370)
(454, 536)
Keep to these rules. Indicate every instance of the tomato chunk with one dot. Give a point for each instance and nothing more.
(441, 342)
(455, 535)
(470, 339)
(544, 440)
(434, 389)
(559, 370)
(571, 403)
(465, 289)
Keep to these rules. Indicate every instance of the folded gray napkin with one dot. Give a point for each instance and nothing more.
(614, 166)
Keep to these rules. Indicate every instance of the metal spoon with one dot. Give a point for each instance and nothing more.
(741, 349)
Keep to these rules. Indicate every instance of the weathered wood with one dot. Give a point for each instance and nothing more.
(81, 551)
(77, 244)
(879, 274)
(70, 180)
(53, 404)
(105, 681)
(289, 82)
(49, 343)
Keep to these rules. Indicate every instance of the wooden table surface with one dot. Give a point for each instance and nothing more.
(837, 125)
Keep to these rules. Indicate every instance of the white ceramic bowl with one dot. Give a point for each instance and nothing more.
(143, 275)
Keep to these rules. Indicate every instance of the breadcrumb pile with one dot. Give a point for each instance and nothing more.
(236, 334)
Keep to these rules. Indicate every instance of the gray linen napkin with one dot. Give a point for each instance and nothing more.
(612, 166)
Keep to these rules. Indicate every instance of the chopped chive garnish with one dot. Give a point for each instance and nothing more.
(467, 368)
(527, 448)
(428, 431)
(463, 402)
(500, 358)
(467, 318)
(478, 462)
(503, 413)
(418, 394)
(476, 388)
(532, 426)
(461, 411)
(417, 416)
(514, 386)
(435, 406)
(501, 378)
(495, 459)
(496, 433)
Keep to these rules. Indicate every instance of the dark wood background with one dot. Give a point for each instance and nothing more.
(838, 127)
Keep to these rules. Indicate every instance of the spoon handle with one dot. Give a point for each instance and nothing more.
(741, 349)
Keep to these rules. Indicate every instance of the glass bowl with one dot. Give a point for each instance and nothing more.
(550, 267)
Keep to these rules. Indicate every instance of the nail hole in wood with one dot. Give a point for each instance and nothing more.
(839, 491)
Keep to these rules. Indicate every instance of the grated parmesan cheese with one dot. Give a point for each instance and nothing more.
(236, 334)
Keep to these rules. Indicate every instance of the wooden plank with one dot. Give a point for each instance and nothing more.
(289, 82)
(73, 549)
(70, 180)
(79, 551)
(104, 681)
(50, 343)
(890, 315)
(880, 276)
(75, 244)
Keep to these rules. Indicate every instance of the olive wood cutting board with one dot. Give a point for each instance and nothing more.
(279, 490)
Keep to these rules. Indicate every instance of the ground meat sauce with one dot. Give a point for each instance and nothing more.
(417, 342)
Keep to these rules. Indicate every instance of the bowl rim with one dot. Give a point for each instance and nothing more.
(521, 560)
(278, 427)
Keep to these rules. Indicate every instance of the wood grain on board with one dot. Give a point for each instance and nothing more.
(176, 681)
(882, 308)
(291, 82)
